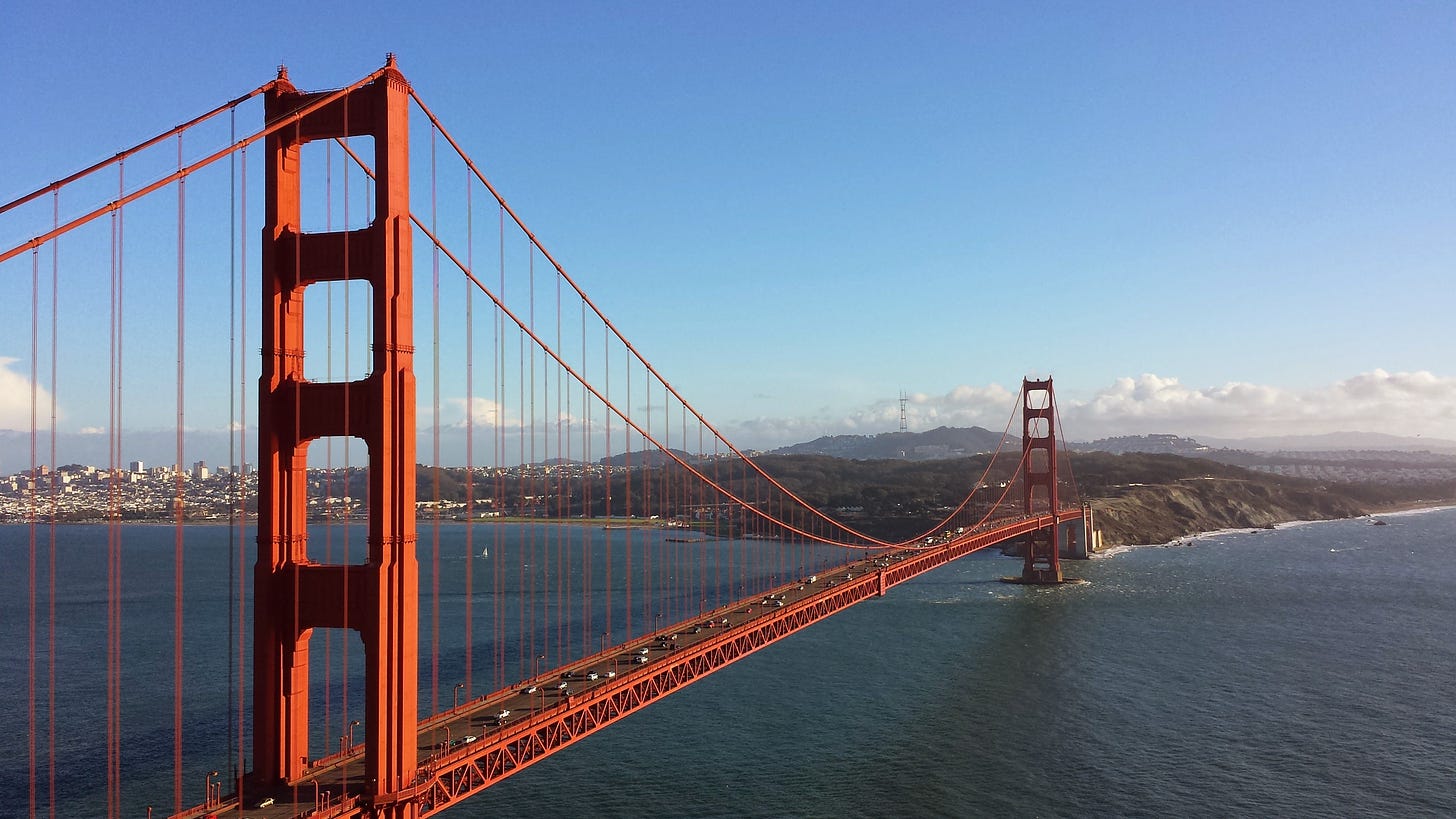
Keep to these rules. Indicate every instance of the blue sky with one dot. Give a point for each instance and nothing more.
(1204, 218)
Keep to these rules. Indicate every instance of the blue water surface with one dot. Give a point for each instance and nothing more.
(1305, 671)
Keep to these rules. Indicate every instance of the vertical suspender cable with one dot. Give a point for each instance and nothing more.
(469, 437)
(55, 509)
(31, 516)
(498, 385)
(113, 577)
(435, 439)
(529, 357)
(179, 511)
(563, 579)
(242, 551)
(587, 579)
(234, 477)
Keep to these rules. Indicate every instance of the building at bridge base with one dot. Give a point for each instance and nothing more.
(295, 594)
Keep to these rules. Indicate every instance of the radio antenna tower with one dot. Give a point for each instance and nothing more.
(903, 426)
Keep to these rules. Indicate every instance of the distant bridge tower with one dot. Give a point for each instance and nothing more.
(1039, 485)
(294, 594)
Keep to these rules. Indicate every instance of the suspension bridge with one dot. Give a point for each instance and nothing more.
(398, 635)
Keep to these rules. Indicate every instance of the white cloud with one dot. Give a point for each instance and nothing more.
(1402, 403)
(480, 411)
(1416, 403)
(15, 400)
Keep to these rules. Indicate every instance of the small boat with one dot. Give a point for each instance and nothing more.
(483, 552)
(1378, 523)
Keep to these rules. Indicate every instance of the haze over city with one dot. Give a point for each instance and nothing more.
(1227, 221)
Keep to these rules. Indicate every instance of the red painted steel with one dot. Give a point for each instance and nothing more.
(294, 595)
(1039, 484)
(448, 779)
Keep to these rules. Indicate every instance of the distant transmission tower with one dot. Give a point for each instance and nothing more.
(903, 426)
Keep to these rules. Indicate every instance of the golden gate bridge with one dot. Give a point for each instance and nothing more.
(630, 548)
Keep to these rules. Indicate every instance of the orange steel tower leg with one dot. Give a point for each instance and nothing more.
(1039, 456)
(294, 594)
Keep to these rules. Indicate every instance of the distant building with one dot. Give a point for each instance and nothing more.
(137, 466)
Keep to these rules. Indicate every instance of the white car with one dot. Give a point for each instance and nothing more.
(592, 675)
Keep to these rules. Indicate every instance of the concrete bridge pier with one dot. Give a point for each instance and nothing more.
(1080, 538)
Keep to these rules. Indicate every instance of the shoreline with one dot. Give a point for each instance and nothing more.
(1400, 510)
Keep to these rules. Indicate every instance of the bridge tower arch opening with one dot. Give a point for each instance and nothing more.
(295, 594)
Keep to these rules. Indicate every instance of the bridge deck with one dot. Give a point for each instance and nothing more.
(466, 749)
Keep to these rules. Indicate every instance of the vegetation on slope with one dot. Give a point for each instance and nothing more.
(1137, 497)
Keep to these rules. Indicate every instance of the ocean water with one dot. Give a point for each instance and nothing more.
(1305, 671)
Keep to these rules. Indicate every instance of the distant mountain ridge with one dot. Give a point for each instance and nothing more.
(954, 442)
(1163, 444)
(941, 442)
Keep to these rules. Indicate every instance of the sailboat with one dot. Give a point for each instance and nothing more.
(483, 552)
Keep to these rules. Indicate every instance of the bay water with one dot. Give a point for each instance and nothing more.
(1303, 671)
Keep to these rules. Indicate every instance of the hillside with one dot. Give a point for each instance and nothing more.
(1138, 497)
(941, 442)
(1162, 512)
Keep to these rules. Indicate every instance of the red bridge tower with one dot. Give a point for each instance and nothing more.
(294, 594)
(1039, 462)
